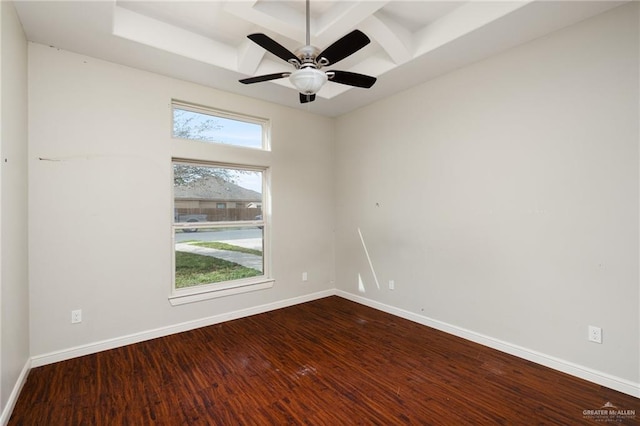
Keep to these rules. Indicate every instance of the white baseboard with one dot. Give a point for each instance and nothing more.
(594, 376)
(13, 397)
(50, 358)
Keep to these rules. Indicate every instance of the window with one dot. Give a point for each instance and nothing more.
(220, 222)
(217, 127)
(217, 248)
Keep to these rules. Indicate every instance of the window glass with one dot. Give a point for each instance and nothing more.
(214, 255)
(191, 123)
(218, 223)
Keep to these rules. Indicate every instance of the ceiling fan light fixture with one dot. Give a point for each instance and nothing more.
(308, 80)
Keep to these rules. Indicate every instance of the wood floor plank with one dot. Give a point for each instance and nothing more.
(326, 362)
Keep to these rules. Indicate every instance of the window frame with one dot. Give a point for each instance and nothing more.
(200, 152)
(180, 296)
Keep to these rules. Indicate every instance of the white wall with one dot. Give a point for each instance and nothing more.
(100, 212)
(502, 198)
(14, 286)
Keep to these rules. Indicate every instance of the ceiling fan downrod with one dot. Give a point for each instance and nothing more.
(308, 9)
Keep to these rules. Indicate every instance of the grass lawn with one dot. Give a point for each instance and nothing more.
(193, 269)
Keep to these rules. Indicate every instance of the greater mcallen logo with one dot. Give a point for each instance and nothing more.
(609, 413)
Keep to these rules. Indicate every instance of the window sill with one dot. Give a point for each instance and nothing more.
(182, 297)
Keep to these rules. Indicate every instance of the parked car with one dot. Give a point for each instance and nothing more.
(189, 218)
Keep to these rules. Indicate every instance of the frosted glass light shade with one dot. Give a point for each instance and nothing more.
(308, 80)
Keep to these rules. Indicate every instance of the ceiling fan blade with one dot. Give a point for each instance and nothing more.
(273, 46)
(265, 77)
(351, 78)
(307, 98)
(344, 47)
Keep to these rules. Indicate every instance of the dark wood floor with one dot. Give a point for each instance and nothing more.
(327, 362)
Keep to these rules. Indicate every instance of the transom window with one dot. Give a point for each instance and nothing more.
(204, 125)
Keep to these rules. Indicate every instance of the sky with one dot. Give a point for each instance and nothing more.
(251, 180)
(211, 128)
(239, 133)
(214, 129)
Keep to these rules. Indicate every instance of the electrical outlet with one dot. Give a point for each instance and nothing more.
(76, 316)
(304, 276)
(392, 285)
(595, 334)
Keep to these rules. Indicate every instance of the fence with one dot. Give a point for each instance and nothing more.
(221, 215)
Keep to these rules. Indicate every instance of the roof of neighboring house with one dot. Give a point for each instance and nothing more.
(215, 188)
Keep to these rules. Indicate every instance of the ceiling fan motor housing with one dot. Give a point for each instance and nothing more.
(307, 54)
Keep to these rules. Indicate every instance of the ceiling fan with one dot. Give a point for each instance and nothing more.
(309, 60)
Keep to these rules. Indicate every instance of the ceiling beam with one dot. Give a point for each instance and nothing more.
(392, 37)
(341, 18)
(279, 18)
(249, 57)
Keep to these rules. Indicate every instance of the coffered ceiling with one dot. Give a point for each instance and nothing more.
(205, 41)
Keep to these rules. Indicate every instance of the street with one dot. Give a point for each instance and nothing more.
(219, 235)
